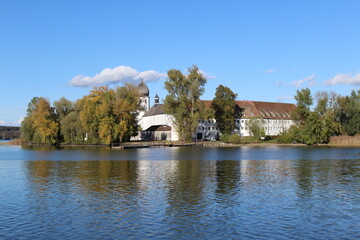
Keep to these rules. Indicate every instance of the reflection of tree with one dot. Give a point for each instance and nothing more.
(227, 176)
(304, 177)
(88, 176)
(185, 187)
(40, 171)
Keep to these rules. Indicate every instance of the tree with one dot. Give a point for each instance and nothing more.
(348, 113)
(40, 124)
(255, 127)
(88, 118)
(45, 122)
(109, 115)
(63, 107)
(224, 109)
(183, 100)
(126, 110)
(71, 129)
(304, 101)
(312, 129)
(322, 100)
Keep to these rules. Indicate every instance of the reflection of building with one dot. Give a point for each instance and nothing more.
(156, 125)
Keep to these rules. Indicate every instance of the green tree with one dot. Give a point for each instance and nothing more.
(183, 100)
(27, 130)
(256, 128)
(71, 129)
(63, 107)
(224, 109)
(304, 101)
(311, 131)
(322, 99)
(348, 113)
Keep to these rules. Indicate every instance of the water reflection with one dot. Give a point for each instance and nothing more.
(197, 198)
(179, 193)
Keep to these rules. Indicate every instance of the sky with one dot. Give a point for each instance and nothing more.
(262, 50)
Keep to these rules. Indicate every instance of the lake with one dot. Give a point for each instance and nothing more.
(266, 192)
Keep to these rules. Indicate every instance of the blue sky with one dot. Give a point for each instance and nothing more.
(262, 50)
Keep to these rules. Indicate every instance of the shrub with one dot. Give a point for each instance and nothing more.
(233, 139)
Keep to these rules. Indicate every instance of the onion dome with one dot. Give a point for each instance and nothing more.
(143, 89)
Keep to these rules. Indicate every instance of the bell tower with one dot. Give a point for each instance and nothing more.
(144, 95)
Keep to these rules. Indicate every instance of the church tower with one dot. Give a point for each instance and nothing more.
(144, 96)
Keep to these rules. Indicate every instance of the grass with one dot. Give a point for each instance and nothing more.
(345, 141)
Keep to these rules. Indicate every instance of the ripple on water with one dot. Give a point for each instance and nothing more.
(181, 199)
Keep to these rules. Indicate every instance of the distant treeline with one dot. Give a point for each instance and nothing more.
(7, 132)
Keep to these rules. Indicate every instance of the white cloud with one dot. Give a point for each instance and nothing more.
(18, 122)
(270, 70)
(310, 80)
(343, 79)
(119, 74)
(13, 123)
(206, 75)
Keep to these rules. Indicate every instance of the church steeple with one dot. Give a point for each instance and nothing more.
(156, 98)
(144, 95)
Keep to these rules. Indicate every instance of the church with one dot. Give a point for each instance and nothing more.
(157, 125)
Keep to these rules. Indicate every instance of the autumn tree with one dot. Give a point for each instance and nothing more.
(109, 115)
(183, 100)
(40, 124)
(224, 109)
(126, 110)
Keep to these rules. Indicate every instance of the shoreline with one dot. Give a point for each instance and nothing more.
(159, 144)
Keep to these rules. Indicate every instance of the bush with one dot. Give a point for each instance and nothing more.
(233, 139)
(224, 138)
(291, 135)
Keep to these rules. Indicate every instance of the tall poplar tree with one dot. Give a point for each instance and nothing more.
(224, 106)
(183, 100)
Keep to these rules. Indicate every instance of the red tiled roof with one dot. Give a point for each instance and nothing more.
(268, 110)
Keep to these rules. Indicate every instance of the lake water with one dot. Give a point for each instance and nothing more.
(180, 193)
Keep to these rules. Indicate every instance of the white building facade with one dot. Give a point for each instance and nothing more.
(156, 125)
